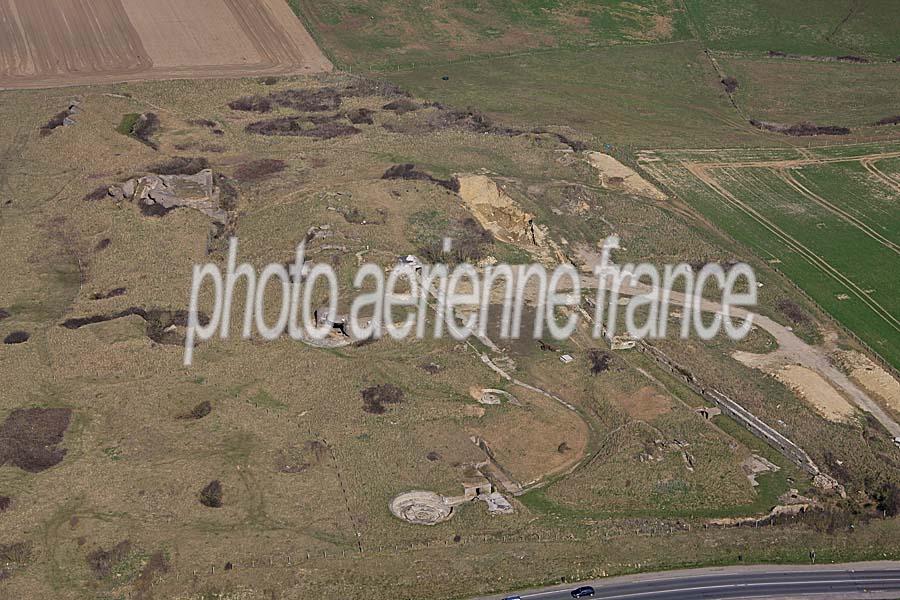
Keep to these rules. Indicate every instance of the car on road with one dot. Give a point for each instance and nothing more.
(513, 598)
(584, 591)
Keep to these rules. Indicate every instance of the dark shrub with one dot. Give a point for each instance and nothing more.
(29, 438)
(180, 165)
(4, 314)
(199, 411)
(203, 123)
(730, 84)
(5, 503)
(144, 128)
(471, 243)
(113, 293)
(401, 106)
(258, 169)
(360, 116)
(259, 104)
(599, 360)
(895, 120)
(888, 498)
(408, 171)
(103, 561)
(17, 337)
(793, 311)
(375, 397)
(279, 126)
(308, 100)
(17, 553)
(804, 128)
(58, 120)
(98, 193)
(211, 495)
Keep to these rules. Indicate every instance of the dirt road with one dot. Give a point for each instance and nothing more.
(51, 43)
(791, 351)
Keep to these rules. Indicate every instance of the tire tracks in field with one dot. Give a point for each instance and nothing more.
(869, 165)
(701, 173)
(792, 181)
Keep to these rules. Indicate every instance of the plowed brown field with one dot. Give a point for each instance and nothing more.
(47, 43)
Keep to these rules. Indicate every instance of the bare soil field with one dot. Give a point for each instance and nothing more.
(74, 42)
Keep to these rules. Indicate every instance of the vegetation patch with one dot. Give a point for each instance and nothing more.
(58, 120)
(308, 100)
(257, 103)
(257, 170)
(211, 495)
(180, 165)
(730, 84)
(408, 171)
(793, 311)
(30, 438)
(160, 322)
(894, 120)
(98, 193)
(376, 398)
(103, 562)
(198, 412)
(802, 129)
(361, 116)
(401, 106)
(297, 126)
(141, 127)
(17, 337)
(599, 359)
(113, 293)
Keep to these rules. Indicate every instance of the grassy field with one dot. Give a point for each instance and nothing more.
(790, 91)
(375, 34)
(809, 27)
(614, 93)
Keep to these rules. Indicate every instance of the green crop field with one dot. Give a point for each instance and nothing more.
(831, 227)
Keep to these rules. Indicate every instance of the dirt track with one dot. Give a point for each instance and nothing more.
(75, 42)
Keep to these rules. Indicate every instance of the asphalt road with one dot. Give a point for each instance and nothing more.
(862, 580)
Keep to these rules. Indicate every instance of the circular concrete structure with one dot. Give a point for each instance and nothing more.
(421, 508)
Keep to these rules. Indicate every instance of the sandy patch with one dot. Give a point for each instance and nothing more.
(615, 175)
(871, 377)
(496, 211)
(500, 214)
(646, 404)
(470, 410)
(813, 388)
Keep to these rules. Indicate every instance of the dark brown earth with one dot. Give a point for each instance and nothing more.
(30, 438)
